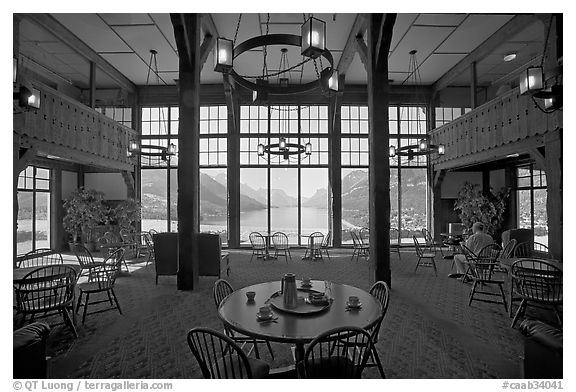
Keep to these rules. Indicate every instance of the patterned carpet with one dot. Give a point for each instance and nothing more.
(428, 332)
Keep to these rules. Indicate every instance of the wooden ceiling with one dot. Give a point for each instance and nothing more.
(125, 41)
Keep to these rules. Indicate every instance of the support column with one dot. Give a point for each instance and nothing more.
(553, 142)
(473, 86)
(187, 34)
(379, 36)
(57, 210)
(437, 180)
(335, 167)
(92, 96)
(233, 168)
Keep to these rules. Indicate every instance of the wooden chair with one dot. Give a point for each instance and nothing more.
(508, 250)
(258, 245)
(220, 357)
(338, 353)
(533, 250)
(131, 243)
(47, 290)
(483, 271)
(539, 282)
(39, 258)
(360, 249)
(430, 243)
(326, 244)
(280, 241)
(222, 288)
(314, 246)
(394, 235)
(103, 280)
(364, 235)
(86, 261)
(425, 259)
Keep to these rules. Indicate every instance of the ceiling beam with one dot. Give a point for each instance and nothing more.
(362, 50)
(210, 35)
(510, 29)
(49, 23)
(358, 29)
(180, 32)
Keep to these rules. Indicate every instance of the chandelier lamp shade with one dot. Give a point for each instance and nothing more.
(285, 150)
(223, 55)
(313, 33)
(532, 80)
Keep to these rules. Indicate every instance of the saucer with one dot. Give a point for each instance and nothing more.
(357, 306)
(262, 317)
(306, 284)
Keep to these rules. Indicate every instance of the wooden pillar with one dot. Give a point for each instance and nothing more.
(436, 184)
(233, 168)
(473, 86)
(553, 142)
(511, 212)
(92, 96)
(335, 167)
(379, 36)
(57, 239)
(187, 34)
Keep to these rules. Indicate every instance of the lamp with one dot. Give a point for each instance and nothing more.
(313, 32)
(533, 81)
(424, 147)
(223, 55)
(152, 150)
(27, 96)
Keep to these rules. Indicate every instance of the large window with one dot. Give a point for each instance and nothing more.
(118, 114)
(531, 200)
(33, 209)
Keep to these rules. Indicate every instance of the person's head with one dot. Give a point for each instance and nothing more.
(478, 227)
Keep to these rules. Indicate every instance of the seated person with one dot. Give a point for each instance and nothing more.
(475, 243)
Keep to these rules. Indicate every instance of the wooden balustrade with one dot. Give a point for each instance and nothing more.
(68, 129)
(510, 123)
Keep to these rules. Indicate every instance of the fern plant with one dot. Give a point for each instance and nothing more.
(85, 209)
(473, 206)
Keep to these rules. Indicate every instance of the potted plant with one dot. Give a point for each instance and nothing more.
(477, 206)
(84, 210)
(126, 214)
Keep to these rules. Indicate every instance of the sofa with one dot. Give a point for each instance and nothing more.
(543, 352)
(30, 351)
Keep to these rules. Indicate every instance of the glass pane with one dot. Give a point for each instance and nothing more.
(253, 202)
(214, 202)
(284, 202)
(173, 200)
(540, 216)
(524, 210)
(314, 199)
(42, 217)
(413, 197)
(154, 200)
(355, 213)
(25, 216)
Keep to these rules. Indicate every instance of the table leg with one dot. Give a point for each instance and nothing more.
(299, 357)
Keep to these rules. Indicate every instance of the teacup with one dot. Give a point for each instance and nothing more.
(353, 300)
(250, 295)
(306, 281)
(265, 311)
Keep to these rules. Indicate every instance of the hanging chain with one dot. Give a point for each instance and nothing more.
(275, 73)
(237, 28)
(264, 66)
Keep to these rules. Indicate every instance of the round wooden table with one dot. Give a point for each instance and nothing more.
(240, 314)
(19, 273)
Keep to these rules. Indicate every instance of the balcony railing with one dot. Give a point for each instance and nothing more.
(71, 130)
(494, 127)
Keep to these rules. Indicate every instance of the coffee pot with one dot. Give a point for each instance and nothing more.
(289, 291)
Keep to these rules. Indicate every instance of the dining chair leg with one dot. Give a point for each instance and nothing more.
(109, 298)
(472, 292)
(417, 264)
(270, 349)
(256, 352)
(79, 302)
(85, 308)
(500, 286)
(68, 321)
(519, 312)
(116, 300)
(376, 359)
(434, 266)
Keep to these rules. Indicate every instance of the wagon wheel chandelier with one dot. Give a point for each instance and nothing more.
(424, 147)
(153, 150)
(312, 44)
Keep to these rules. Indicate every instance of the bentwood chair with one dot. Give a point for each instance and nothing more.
(47, 290)
(222, 288)
(539, 282)
(258, 245)
(314, 246)
(430, 243)
(381, 292)
(148, 248)
(131, 243)
(360, 249)
(508, 250)
(338, 353)
(103, 280)
(326, 244)
(39, 258)
(220, 357)
(395, 241)
(364, 235)
(533, 250)
(425, 259)
(280, 241)
(483, 270)
(86, 261)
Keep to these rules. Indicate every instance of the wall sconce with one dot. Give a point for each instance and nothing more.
(28, 97)
(308, 148)
(531, 80)
(392, 151)
(313, 33)
(223, 55)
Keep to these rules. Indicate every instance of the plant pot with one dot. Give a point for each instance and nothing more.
(72, 245)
